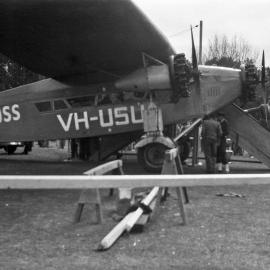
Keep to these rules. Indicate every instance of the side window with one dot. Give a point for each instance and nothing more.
(81, 101)
(103, 99)
(59, 105)
(44, 106)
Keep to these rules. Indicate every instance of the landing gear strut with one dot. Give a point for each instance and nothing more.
(151, 149)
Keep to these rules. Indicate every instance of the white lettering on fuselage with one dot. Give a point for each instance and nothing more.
(9, 113)
(107, 118)
(66, 126)
(83, 119)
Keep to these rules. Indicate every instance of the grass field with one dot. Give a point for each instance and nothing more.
(37, 231)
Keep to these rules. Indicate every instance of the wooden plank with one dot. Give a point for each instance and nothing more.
(181, 205)
(105, 168)
(137, 214)
(131, 181)
(78, 212)
(145, 217)
(187, 130)
(114, 234)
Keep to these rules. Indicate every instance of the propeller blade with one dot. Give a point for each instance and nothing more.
(263, 79)
(194, 56)
(266, 107)
(263, 70)
(196, 74)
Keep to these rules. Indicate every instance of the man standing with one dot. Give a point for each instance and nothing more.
(211, 133)
(221, 150)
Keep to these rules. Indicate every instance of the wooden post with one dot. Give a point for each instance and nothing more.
(181, 205)
(172, 165)
(200, 47)
(180, 170)
(195, 146)
(137, 214)
(86, 197)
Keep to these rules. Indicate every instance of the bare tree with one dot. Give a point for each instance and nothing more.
(230, 53)
(13, 74)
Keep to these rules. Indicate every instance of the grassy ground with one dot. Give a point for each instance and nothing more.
(222, 232)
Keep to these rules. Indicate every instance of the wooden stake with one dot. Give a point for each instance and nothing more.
(126, 223)
(137, 214)
(114, 234)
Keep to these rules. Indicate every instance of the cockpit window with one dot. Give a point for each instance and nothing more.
(81, 101)
(44, 106)
(59, 105)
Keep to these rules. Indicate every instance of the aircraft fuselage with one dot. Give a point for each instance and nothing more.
(32, 112)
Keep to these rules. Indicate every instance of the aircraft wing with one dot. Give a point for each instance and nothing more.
(81, 41)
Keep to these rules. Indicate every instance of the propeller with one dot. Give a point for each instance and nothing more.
(265, 92)
(181, 73)
(195, 72)
(263, 107)
(263, 79)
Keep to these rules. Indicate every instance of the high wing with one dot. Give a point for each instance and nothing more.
(79, 41)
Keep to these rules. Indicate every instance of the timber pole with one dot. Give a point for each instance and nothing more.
(131, 181)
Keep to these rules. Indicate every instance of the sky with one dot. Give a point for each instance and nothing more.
(247, 19)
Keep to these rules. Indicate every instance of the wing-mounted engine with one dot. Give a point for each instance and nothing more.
(250, 82)
(176, 76)
(180, 73)
(173, 77)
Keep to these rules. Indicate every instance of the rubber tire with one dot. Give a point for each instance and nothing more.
(10, 149)
(150, 150)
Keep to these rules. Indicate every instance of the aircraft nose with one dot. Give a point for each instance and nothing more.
(219, 86)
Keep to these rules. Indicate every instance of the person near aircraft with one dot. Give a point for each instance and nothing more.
(74, 148)
(211, 133)
(222, 159)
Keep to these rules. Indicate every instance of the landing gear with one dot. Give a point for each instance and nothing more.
(151, 157)
(10, 149)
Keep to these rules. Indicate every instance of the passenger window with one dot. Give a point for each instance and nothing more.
(59, 105)
(104, 99)
(81, 101)
(44, 106)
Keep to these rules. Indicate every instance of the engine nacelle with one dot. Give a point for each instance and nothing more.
(180, 73)
(250, 82)
(175, 76)
(146, 79)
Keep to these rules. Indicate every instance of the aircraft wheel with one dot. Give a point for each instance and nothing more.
(151, 157)
(10, 149)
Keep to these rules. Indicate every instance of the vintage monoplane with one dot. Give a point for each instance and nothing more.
(105, 62)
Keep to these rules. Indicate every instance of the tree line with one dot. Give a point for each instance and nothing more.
(12, 74)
